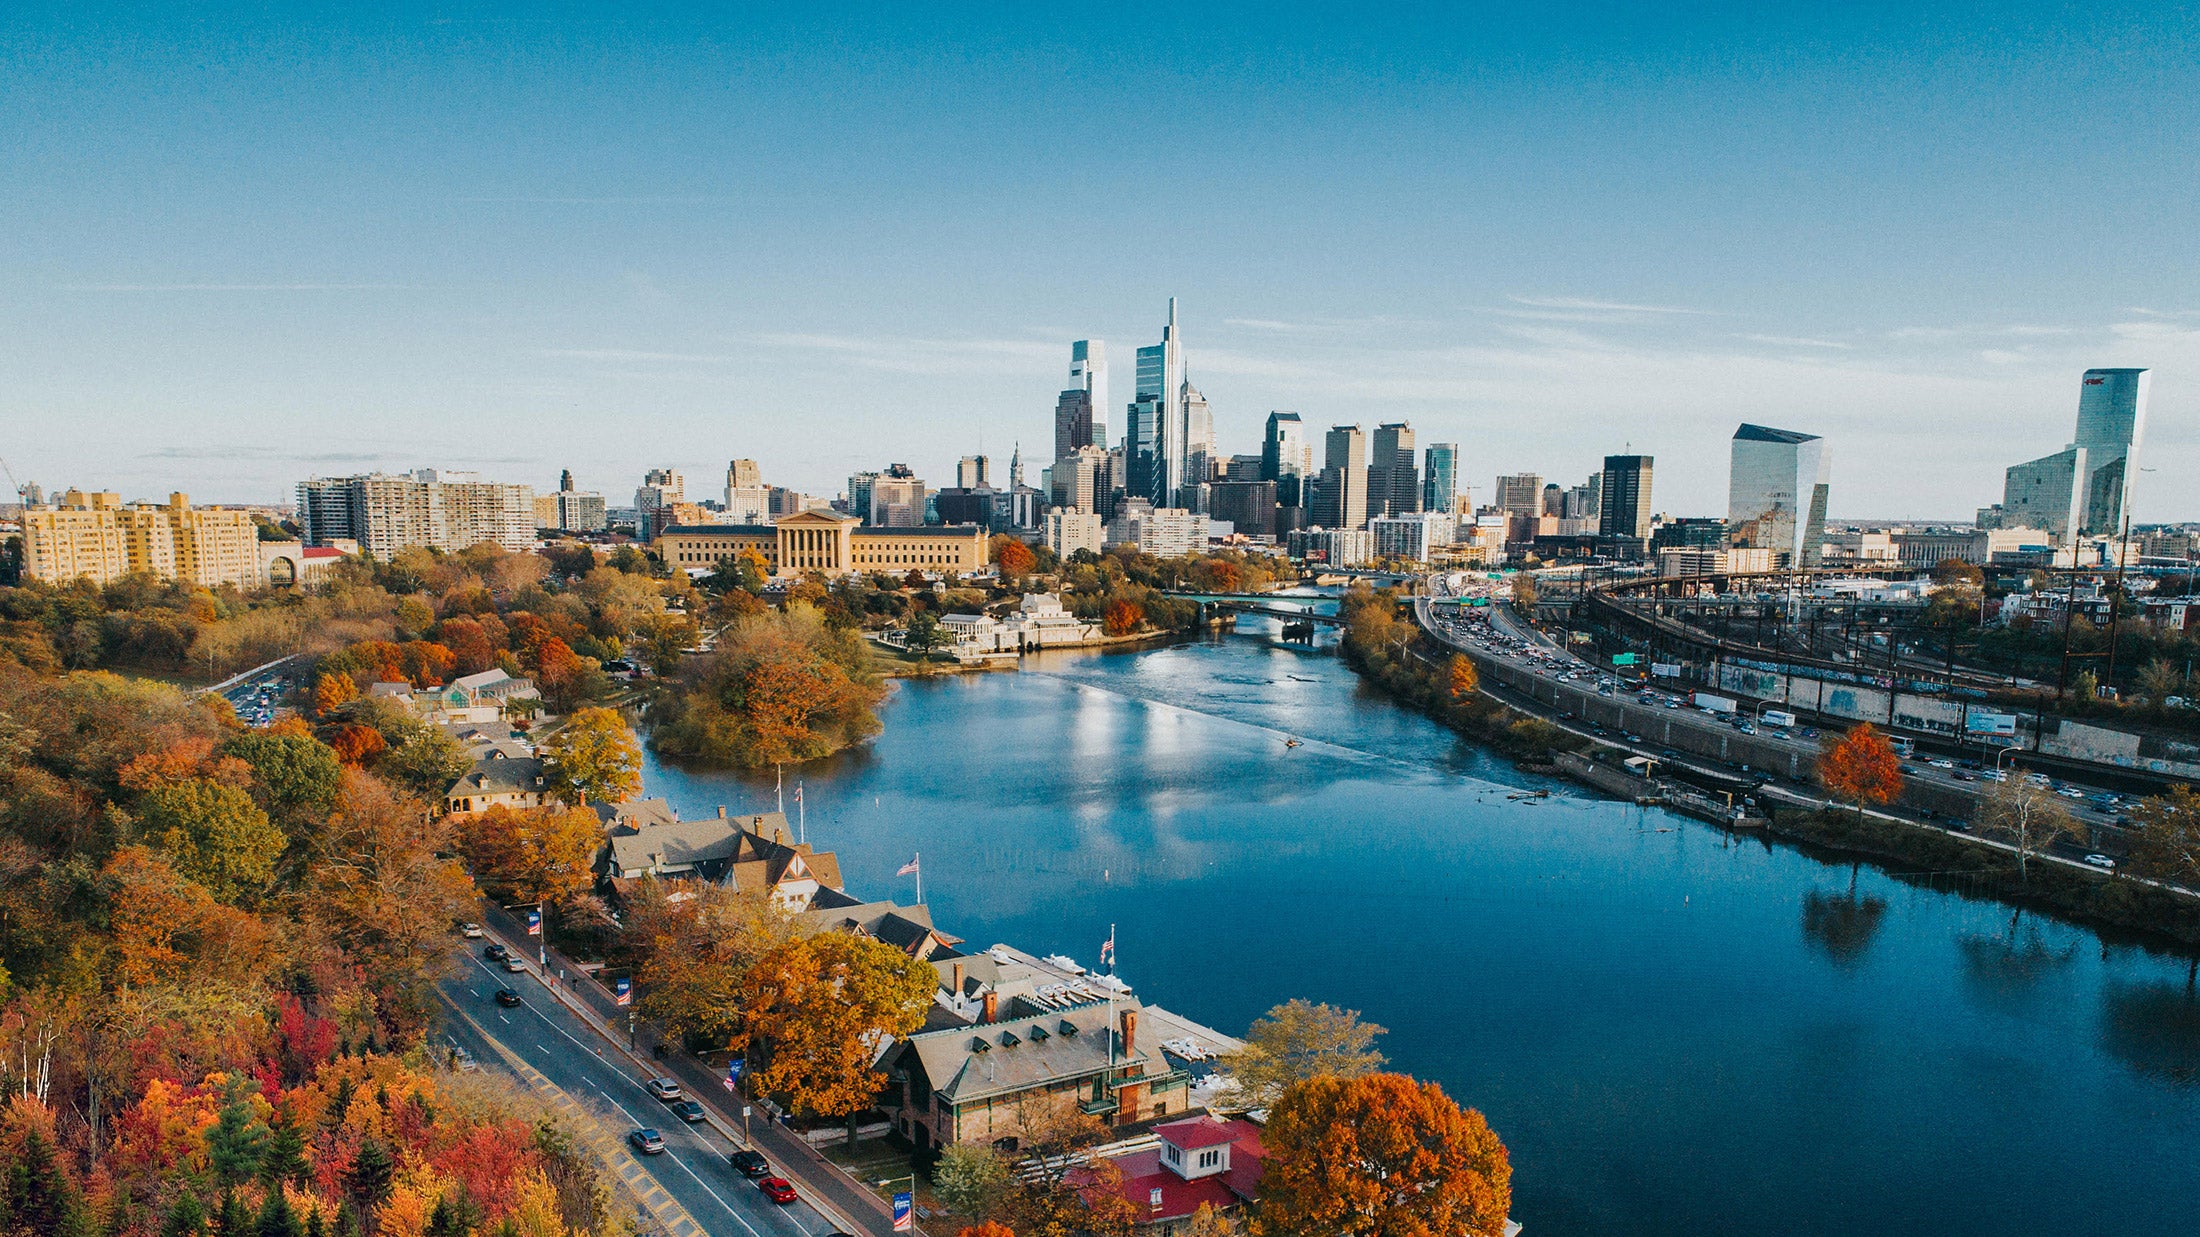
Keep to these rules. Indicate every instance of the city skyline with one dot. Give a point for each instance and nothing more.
(329, 247)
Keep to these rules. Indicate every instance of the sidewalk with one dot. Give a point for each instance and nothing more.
(825, 1185)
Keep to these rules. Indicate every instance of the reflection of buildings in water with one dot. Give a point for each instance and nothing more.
(2154, 1028)
(2005, 972)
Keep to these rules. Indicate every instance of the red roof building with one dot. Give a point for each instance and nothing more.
(1202, 1161)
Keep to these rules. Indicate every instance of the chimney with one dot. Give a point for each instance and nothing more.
(1130, 1034)
(992, 1005)
(958, 979)
(721, 811)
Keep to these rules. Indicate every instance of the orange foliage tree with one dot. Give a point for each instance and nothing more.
(816, 1008)
(1861, 767)
(1121, 618)
(532, 854)
(1463, 677)
(1012, 556)
(1381, 1154)
(332, 692)
(355, 744)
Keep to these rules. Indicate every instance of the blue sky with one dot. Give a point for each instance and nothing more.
(243, 246)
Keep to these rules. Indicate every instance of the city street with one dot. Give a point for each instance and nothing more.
(693, 1169)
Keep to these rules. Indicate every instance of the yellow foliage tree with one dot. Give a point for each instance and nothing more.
(816, 1010)
(1381, 1154)
(532, 854)
(595, 758)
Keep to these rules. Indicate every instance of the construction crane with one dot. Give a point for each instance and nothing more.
(22, 492)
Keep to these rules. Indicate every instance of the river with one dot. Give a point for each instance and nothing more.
(1674, 1032)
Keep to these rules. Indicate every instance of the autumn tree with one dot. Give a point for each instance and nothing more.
(299, 777)
(215, 834)
(816, 1010)
(2029, 817)
(383, 888)
(595, 758)
(2165, 842)
(1122, 617)
(990, 1228)
(780, 689)
(1379, 1155)
(689, 943)
(969, 1178)
(1524, 591)
(1301, 1040)
(1012, 557)
(1464, 679)
(540, 854)
(1861, 767)
(332, 692)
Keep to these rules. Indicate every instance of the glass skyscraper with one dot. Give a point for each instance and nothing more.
(1776, 493)
(1161, 380)
(1439, 476)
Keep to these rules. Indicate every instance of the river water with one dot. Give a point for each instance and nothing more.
(1674, 1032)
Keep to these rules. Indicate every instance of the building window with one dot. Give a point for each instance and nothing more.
(1208, 1159)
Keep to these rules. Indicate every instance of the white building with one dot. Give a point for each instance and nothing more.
(1776, 494)
(1164, 532)
(1039, 622)
(1067, 530)
(2083, 488)
(1335, 547)
(1419, 537)
(438, 508)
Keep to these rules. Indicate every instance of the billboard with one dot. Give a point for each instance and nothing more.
(1980, 722)
(1666, 669)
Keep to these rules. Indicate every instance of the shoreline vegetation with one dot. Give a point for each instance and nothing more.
(1381, 647)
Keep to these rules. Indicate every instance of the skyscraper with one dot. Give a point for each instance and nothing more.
(1776, 493)
(1199, 439)
(1161, 381)
(970, 472)
(1439, 476)
(1393, 484)
(1341, 501)
(1520, 494)
(1145, 472)
(2082, 489)
(1080, 414)
(1626, 495)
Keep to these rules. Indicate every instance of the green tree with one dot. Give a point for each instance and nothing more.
(968, 1178)
(186, 1218)
(277, 1219)
(367, 1182)
(233, 1218)
(426, 762)
(1299, 1040)
(216, 834)
(595, 758)
(40, 1199)
(299, 774)
(237, 1141)
(284, 1157)
(924, 635)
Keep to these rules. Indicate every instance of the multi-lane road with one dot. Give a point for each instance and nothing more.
(608, 1087)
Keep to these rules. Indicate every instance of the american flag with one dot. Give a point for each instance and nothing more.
(1107, 948)
(733, 1075)
(907, 869)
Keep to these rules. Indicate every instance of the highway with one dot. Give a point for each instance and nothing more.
(565, 1050)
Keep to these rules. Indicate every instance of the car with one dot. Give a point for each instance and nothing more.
(666, 1089)
(688, 1111)
(647, 1141)
(515, 965)
(1942, 764)
(507, 998)
(750, 1164)
(471, 931)
(777, 1189)
(2101, 861)
(496, 952)
(1965, 775)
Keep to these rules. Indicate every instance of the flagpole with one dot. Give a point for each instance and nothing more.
(917, 857)
(801, 815)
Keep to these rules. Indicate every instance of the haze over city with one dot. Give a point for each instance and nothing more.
(250, 247)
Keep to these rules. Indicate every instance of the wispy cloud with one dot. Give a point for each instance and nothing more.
(2015, 330)
(1591, 305)
(236, 287)
(631, 354)
(1795, 341)
(522, 199)
(912, 355)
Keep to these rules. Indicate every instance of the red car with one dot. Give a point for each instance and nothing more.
(776, 1189)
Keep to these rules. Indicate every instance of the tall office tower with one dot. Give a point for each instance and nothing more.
(1072, 422)
(1439, 476)
(1088, 372)
(565, 481)
(970, 472)
(2082, 489)
(1626, 495)
(1554, 499)
(660, 489)
(1081, 480)
(748, 504)
(1341, 501)
(744, 475)
(1776, 494)
(1161, 381)
(1145, 472)
(1286, 457)
(859, 494)
(1393, 484)
(1199, 439)
(1520, 494)
(1586, 501)
(898, 498)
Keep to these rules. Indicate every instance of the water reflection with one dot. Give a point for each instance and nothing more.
(1842, 924)
(2153, 1027)
(2005, 971)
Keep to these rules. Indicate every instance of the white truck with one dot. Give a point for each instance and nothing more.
(1777, 717)
(1712, 704)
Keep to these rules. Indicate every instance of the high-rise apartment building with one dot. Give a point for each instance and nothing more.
(1081, 480)
(859, 494)
(1066, 531)
(1393, 483)
(970, 472)
(97, 538)
(897, 498)
(1520, 494)
(1626, 497)
(1161, 383)
(1440, 476)
(2083, 489)
(570, 510)
(744, 475)
(438, 508)
(1341, 499)
(1776, 494)
(660, 490)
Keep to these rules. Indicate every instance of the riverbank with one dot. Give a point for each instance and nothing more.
(1420, 681)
